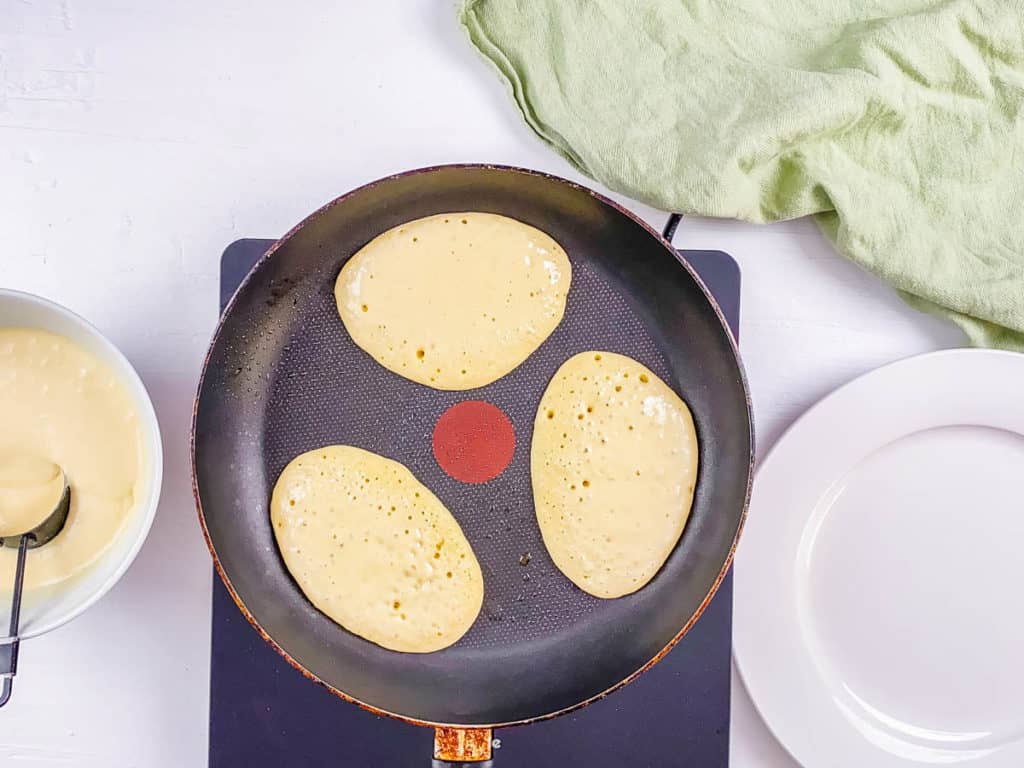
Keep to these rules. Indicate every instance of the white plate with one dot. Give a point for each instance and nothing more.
(879, 604)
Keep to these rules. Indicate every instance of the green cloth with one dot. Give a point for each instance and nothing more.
(898, 124)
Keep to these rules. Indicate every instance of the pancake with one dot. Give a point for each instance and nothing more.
(454, 301)
(614, 463)
(375, 550)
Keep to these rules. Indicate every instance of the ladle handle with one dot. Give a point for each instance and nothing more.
(9, 652)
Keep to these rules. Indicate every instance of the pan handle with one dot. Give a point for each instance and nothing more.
(670, 226)
(462, 748)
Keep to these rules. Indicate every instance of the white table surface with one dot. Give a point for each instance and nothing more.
(137, 139)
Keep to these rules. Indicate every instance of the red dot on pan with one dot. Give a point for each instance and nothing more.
(474, 441)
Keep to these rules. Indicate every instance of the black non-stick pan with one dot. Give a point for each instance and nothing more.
(283, 377)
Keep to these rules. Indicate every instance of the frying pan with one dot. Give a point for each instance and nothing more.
(282, 376)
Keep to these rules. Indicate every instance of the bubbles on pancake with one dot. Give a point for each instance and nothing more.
(613, 460)
(441, 315)
(361, 535)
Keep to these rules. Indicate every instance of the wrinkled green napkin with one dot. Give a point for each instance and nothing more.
(899, 124)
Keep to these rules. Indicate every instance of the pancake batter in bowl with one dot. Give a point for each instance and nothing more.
(60, 407)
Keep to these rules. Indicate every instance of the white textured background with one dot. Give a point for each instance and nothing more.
(137, 139)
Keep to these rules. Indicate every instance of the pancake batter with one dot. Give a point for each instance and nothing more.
(61, 407)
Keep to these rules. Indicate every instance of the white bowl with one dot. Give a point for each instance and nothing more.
(50, 608)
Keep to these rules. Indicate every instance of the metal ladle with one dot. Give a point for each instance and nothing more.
(37, 537)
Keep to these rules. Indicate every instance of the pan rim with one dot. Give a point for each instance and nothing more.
(733, 346)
